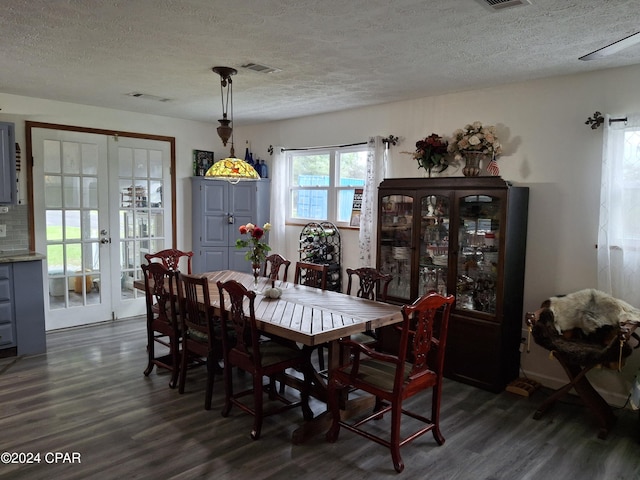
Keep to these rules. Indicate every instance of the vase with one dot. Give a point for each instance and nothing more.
(255, 268)
(472, 164)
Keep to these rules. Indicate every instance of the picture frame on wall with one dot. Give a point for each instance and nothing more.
(357, 207)
(202, 161)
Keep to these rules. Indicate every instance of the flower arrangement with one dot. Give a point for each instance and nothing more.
(475, 138)
(258, 250)
(431, 152)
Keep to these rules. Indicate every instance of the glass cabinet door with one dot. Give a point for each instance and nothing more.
(478, 247)
(434, 244)
(395, 243)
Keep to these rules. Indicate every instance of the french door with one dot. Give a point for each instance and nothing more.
(100, 203)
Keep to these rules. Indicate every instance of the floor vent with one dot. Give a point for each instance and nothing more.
(502, 4)
(256, 67)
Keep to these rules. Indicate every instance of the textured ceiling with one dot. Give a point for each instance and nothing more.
(332, 54)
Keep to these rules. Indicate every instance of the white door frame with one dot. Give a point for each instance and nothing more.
(125, 308)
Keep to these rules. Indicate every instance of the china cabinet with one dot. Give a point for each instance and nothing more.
(219, 208)
(464, 236)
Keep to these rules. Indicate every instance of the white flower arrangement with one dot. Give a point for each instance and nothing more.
(474, 138)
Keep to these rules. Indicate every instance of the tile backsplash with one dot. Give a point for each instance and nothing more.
(17, 225)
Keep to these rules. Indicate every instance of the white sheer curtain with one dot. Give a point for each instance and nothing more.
(619, 226)
(376, 172)
(279, 191)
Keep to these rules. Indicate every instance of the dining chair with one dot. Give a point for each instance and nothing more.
(201, 334)
(272, 266)
(257, 356)
(313, 275)
(171, 258)
(395, 378)
(372, 285)
(162, 319)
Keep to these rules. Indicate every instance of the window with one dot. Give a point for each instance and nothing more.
(322, 183)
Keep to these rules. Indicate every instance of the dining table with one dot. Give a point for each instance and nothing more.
(308, 316)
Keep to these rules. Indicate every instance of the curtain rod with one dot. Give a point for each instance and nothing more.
(327, 146)
(388, 140)
(598, 119)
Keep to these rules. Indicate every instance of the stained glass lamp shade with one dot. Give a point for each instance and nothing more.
(233, 170)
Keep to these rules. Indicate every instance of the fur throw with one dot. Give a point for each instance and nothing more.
(589, 310)
(600, 347)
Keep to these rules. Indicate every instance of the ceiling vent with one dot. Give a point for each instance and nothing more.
(256, 67)
(502, 4)
(148, 97)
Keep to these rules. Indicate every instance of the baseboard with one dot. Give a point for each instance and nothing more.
(617, 400)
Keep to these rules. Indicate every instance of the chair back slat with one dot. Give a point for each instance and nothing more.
(311, 275)
(272, 267)
(425, 325)
(372, 284)
(171, 258)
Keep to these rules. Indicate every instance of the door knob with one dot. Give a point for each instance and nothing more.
(105, 240)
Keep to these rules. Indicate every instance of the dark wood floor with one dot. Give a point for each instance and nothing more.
(88, 395)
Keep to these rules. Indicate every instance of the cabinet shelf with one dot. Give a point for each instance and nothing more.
(133, 197)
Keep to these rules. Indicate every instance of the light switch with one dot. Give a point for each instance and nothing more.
(3, 230)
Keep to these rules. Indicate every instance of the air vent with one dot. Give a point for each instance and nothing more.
(502, 4)
(148, 97)
(256, 67)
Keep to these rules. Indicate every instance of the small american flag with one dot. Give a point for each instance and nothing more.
(493, 168)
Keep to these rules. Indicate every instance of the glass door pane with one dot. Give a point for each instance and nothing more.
(70, 197)
(478, 246)
(141, 184)
(434, 244)
(395, 243)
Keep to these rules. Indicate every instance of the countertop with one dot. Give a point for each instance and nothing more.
(12, 256)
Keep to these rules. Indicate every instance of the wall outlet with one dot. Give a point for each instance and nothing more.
(3, 230)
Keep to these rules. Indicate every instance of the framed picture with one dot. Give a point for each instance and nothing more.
(202, 161)
(357, 206)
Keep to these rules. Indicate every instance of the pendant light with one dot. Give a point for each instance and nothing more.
(231, 168)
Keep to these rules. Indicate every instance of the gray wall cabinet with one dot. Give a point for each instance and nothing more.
(219, 208)
(8, 187)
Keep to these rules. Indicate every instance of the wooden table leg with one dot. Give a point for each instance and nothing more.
(321, 423)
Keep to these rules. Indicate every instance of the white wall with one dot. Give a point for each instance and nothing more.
(548, 147)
